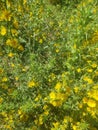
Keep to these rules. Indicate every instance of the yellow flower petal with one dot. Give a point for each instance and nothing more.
(31, 84)
(91, 103)
(3, 30)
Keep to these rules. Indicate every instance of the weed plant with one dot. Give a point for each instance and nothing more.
(48, 65)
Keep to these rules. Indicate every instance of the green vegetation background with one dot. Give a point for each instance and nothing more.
(48, 65)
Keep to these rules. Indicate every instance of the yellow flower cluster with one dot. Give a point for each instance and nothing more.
(56, 99)
(31, 84)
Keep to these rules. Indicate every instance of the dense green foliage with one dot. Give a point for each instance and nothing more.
(48, 65)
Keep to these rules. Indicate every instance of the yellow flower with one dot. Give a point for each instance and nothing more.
(8, 3)
(89, 61)
(4, 114)
(51, 77)
(80, 105)
(90, 70)
(78, 70)
(16, 78)
(65, 120)
(85, 100)
(56, 103)
(45, 107)
(3, 31)
(74, 127)
(92, 111)
(6, 15)
(76, 89)
(87, 79)
(20, 9)
(95, 86)
(74, 46)
(58, 86)
(1, 100)
(57, 50)
(90, 81)
(15, 24)
(91, 103)
(31, 84)
(38, 97)
(4, 79)
(94, 10)
(8, 42)
(20, 47)
(24, 2)
(56, 99)
(51, 23)
(12, 42)
(20, 112)
(40, 41)
(40, 120)
(83, 4)
(71, 19)
(12, 65)
(36, 122)
(61, 96)
(52, 95)
(46, 113)
(14, 32)
(95, 95)
(94, 65)
(10, 54)
(56, 124)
